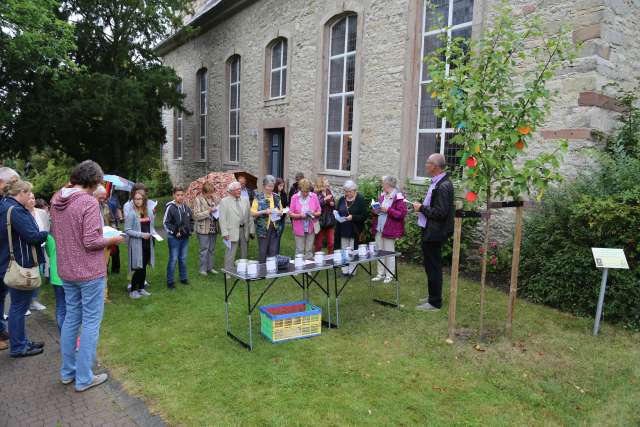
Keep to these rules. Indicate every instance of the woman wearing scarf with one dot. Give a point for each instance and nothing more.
(353, 208)
(304, 212)
(387, 225)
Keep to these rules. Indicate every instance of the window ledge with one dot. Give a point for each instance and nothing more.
(228, 163)
(201, 161)
(335, 173)
(276, 101)
(418, 181)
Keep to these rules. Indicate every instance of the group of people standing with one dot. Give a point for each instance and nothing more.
(77, 252)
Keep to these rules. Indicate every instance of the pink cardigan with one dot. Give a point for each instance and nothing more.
(296, 207)
(76, 225)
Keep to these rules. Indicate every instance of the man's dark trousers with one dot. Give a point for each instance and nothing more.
(432, 258)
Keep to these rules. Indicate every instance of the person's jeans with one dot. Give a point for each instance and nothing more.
(327, 233)
(61, 306)
(268, 245)
(85, 307)
(178, 249)
(207, 251)
(432, 255)
(3, 295)
(20, 301)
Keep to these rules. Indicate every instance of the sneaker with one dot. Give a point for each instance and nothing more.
(171, 286)
(184, 282)
(68, 381)
(28, 352)
(28, 313)
(427, 307)
(388, 279)
(203, 273)
(37, 306)
(213, 271)
(423, 300)
(135, 295)
(144, 293)
(97, 380)
(377, 278)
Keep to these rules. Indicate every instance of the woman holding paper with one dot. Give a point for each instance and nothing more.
(327, 219)
(266, 211)
(138, 226)
(304, 212)
(387, 225)
(351, 214)
(207, 228)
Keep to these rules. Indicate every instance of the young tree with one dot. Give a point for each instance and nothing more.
(493, 92)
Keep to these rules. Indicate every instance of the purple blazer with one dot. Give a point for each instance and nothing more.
(394, 226)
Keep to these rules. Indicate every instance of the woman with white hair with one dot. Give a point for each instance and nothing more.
(266, 211)
(353, 208)
(387, 225)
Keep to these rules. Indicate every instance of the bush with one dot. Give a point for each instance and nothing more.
(410, 244)
(599, 210)
(158, 183)
(48, 176)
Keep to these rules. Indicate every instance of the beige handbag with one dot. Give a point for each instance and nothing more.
(17, 277)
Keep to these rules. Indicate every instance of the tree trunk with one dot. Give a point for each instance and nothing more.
(485, 249)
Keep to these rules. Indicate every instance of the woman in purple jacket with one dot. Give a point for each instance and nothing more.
(387, 225)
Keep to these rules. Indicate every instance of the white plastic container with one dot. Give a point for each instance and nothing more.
(318, 258)
(337, 258)
(241, 266)
(299, 261)
(373, 248)
(252, 268)
(272, 264)
(363, 250)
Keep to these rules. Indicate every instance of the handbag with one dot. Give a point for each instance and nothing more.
(18, 277)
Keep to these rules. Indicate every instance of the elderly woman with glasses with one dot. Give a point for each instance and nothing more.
(387, 225)
(304, 212)
(353, 209)
(266, 211)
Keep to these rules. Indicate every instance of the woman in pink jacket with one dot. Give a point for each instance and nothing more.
(304, 211)
(387, 225)
(77, 228)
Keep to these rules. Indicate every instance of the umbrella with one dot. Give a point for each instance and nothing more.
(220, 181)
(118, 182)
(252, 180)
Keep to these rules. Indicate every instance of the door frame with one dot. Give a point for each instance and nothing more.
(265, 150)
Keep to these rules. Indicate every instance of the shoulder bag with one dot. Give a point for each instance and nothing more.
(18, 277)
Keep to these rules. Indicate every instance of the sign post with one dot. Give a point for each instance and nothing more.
(605, 259)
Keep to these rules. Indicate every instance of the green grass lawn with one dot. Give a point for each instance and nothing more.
(381, 367)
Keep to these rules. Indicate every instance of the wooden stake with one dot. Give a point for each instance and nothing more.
(455, 267)
(483, 272)
(515, 268)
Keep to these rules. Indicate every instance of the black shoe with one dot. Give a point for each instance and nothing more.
(184, 282)
(29, 352)
(171, 287)
(36, 344)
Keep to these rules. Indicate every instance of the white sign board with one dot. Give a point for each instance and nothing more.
(610, 258)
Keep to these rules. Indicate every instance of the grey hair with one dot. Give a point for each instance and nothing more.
(268, 179)
(233, 186)
(7, 174)
(99, 190)
(349, 185)
(438, 159)
(390, 180)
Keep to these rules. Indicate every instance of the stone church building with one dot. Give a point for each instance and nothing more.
(334, 87)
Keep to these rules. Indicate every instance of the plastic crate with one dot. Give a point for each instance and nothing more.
(294, 320)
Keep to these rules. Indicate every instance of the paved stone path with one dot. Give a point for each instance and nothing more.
(31, 393)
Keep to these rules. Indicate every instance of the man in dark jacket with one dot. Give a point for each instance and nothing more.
(435, 216)
(178, 223)
(294, 187)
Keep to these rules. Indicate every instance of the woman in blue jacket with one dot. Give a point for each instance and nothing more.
(25, 235)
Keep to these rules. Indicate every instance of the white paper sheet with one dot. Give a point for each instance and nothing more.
(109, 232)
(157, 237)
(339, 218)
